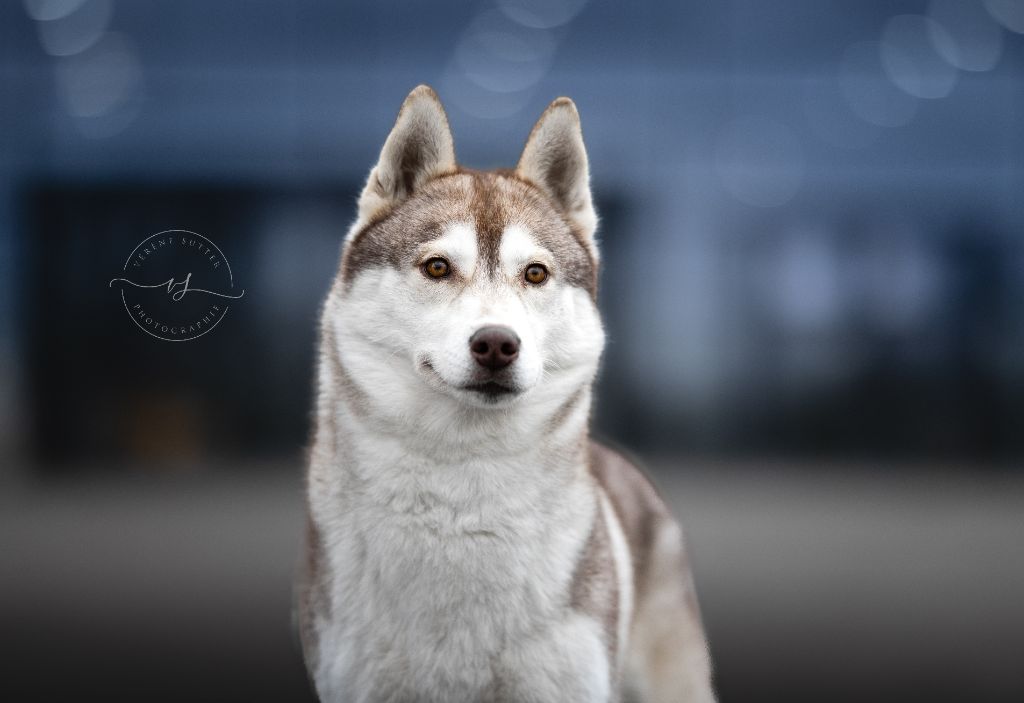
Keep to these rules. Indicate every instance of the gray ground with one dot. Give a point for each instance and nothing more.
(816, 583)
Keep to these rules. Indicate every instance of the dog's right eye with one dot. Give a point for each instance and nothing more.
(436, 267)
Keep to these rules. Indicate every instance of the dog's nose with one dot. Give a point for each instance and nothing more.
(494, 347)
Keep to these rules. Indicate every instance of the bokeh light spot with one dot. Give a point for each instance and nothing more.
(50, 9)
(867, 90)
(971, 41)
(541, 14)
(910, 59)
(1009, 13)
(76, 31)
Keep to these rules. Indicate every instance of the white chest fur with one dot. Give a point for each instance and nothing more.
(450, 580)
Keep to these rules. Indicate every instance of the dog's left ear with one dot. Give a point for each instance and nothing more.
(419, 148)
(555, 159)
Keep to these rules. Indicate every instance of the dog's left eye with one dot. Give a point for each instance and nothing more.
(436, 267)
(536, 274)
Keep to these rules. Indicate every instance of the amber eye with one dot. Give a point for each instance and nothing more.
(436, 267)
(536, 274)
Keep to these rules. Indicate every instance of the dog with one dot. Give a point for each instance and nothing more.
(467, 541)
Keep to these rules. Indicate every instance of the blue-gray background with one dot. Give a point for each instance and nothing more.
(813, 285)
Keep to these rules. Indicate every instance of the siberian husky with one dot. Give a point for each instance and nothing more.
(466, 540)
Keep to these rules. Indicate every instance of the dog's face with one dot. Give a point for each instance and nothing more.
(476, 286)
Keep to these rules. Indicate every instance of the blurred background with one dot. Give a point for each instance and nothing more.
(812, 219)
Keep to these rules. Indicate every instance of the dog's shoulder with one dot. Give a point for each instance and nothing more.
(640, 510)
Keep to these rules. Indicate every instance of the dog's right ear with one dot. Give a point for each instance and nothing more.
(419, 148)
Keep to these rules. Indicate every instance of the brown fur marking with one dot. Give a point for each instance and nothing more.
(312, 592)
(353, 395)
(595, 590)
(491, 201)
(636, 503)
(563, 412)
(668, 659)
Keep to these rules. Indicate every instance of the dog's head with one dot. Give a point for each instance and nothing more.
(478, 286)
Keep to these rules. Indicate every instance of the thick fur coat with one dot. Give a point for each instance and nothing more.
(467, 541)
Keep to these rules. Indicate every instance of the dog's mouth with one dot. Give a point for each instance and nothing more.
(491, 389)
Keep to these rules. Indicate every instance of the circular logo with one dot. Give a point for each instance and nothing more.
(177, 285)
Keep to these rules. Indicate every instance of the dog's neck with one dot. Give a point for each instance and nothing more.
(461, 455)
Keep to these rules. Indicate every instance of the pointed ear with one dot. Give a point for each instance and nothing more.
(419, 147)
(555, 159)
